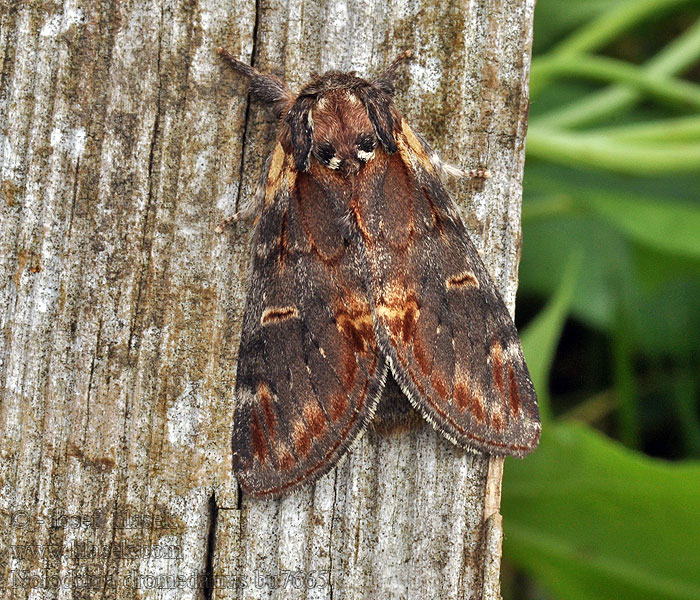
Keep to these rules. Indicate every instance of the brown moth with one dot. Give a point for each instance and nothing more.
(361, 268)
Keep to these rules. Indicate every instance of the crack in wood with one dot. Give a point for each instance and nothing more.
(209, 575)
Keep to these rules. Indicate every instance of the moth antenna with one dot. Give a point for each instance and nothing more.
(385, 81)
(269, 89)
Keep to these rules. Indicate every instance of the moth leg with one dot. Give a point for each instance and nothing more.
(247, 214)
(227, 222)
(478, 174)
(251, 209)
(454, 171)
(448, 168)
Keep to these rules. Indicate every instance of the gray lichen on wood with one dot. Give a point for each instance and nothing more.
(124, 140)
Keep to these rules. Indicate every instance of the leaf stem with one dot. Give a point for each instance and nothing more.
(682, 52)
(625, 385)
(601, 68)
(664, 130)
(604, 29)
(589, 150)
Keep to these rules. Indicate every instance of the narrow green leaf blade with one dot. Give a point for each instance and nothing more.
(542, 335)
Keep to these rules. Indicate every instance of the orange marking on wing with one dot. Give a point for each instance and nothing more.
(343, 435)
(348, 364)
(341, 438)
(354, 320)
(338, 406)
(514, 400)
(465, 279)
(420, 352)
(410, 318)
(394, 324)
(462, 396)
(302, 440)
(357, 328)
(467, 398)
(408, 140)
(439, 385)
(315, 418)
(274, 175)
(285, 459)
(497, 420)
(476, 407)
(257, 438)
(265, 400)
(497, 367)
(399, 310)
(277, 314)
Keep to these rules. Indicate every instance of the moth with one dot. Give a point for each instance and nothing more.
(362, 271)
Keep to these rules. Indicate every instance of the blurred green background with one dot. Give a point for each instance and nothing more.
(608, 507)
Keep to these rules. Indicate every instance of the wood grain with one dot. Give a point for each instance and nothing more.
(124, 140)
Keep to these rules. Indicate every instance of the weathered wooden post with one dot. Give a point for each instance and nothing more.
(124, 139)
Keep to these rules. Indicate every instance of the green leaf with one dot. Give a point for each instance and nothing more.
(606, 259)
(671, 227)
(591, 519)
(639, 239)
(666, 321)
(542, 334)
(665, 130)
(607, 20)
(556, 18)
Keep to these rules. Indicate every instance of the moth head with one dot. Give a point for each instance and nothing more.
(344, 138)
(338, 118)
(341, 120)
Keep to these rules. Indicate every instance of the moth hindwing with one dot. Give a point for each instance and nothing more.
(363, 270)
